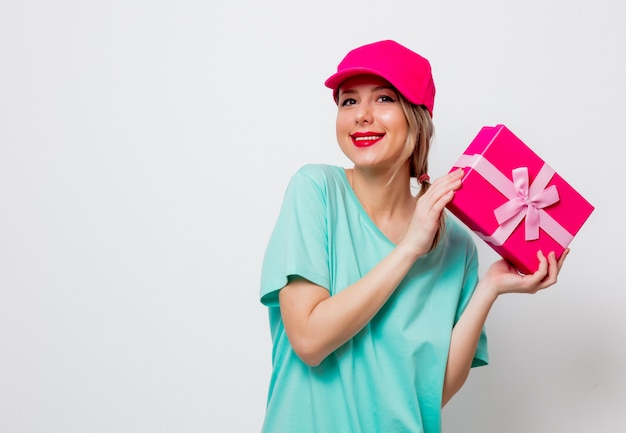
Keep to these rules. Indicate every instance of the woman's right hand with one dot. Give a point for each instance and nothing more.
(426, 218)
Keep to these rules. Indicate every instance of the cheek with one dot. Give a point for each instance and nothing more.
(403, 126)
(343, 127)
(394, 119)
(342, 122)
(342, 131)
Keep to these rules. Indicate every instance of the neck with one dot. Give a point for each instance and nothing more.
(384, 198)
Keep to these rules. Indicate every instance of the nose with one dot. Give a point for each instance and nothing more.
(364, 113)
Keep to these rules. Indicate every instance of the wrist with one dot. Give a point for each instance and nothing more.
(486, 292)
(409, 251)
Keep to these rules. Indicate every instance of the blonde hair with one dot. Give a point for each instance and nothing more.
(416, 149)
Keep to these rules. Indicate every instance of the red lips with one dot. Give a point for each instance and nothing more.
(366, 139)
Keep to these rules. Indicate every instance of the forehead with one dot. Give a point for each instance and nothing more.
(364, 81)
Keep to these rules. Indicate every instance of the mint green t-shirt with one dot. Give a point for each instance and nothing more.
(388, 377)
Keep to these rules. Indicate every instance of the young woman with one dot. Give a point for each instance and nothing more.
(376, 309)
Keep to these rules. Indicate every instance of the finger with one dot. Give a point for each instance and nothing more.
(542, 270)
(451, 180)
(456, 174)
(553, 270)
(441, 202)
(459, 172)
(443, 188)
(438, 196)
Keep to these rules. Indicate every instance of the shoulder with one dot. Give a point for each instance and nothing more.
(320, 172)
(321, 176)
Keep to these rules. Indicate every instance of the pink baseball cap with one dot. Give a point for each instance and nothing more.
(406, 70)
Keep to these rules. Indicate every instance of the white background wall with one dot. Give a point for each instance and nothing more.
(144, 150)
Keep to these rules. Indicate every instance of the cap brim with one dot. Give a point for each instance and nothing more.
(334, 81)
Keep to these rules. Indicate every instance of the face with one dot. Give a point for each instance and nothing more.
(371, 126)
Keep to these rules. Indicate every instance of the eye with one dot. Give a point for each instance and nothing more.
(386, 98)
(347, 102)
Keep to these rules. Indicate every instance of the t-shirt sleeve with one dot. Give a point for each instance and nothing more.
(297, 247)
(481, 357)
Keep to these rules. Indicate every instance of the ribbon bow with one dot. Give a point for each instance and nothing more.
(527, 203)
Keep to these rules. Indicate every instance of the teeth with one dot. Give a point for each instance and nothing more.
(371, 137)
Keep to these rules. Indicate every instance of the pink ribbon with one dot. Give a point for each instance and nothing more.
(525, 201)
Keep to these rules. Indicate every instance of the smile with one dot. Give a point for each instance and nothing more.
(366, 139)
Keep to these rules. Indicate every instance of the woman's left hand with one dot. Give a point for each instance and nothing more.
(503, 278)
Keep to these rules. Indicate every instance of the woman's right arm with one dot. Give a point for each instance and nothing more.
(317, 323)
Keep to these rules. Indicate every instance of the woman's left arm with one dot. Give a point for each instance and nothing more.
(501, 278)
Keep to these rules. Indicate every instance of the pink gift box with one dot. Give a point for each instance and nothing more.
(514, 201)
